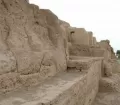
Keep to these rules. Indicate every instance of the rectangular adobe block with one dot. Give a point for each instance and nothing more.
(79, 36)
(90, 37)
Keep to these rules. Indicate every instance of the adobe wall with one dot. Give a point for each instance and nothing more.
(79, 50)
(87, 88)
(82, 37)
(109, 53)
(79, 36)
(82, 43)
(68, 88)
(103, 49)
(115, 65)
(90, 38)
(97, 52)
(32, 45)
(94, 41)
(36, 49)
(65, 32)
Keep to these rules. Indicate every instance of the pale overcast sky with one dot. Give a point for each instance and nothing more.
(100, 16)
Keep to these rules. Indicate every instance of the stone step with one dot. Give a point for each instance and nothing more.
(73, 87)
(110, 84)
(63, 89)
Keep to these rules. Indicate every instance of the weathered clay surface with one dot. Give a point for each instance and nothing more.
(79, 36)
(80, 50)
(80, 64)
(115, 65)
(109, 91)
(7, 62)
(35, 45)
(107, 67)
(108, 54)
(107, 98)
(90, 37)
(97, 51)
(110, 84)
(31, 41)
(67, 88)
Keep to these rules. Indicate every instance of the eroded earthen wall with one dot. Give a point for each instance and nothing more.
(79, 36)
(94, 41)
(87, 87)
(32, 44)
(79, 50)
(90, 38)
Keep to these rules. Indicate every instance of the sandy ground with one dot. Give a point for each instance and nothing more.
(111, 98)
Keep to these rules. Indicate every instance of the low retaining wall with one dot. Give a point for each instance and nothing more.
(66, 88)
(92, 67)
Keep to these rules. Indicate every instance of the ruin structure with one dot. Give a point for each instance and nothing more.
(45, 61)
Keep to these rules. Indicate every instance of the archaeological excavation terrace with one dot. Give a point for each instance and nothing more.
(45, 61)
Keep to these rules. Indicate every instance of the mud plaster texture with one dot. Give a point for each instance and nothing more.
(67, 88)
(109, 91)
(45, 61)
(33, 44)
(79, 36)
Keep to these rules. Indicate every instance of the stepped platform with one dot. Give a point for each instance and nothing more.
(66, 88)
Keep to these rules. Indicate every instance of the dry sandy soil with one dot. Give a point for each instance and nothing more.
(109, 93)
(110, 98)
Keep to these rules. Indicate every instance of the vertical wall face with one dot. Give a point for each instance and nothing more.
(97, 52)
(68, 88)
(65, 32)
(105, 45)
(80, 36)
(94, 40)
(84, 91)
(79, 50)
(93, 78)
(32, 45)
(103, 49)
(90, 38)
